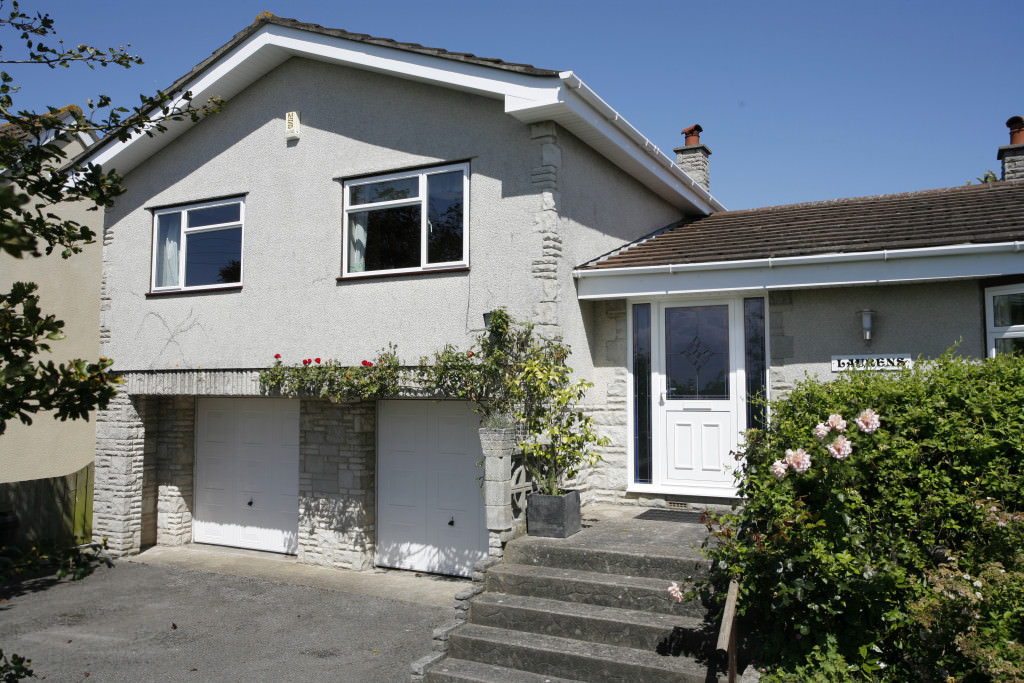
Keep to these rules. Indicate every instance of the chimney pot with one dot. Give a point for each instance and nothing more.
(693, 134)
(1016, 126)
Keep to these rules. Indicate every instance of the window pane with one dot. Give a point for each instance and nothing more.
(1008, 309)
(168, 246)
(444, 236)
(213, 258)
(1010, 345)
(755, 361)
(642, 392)
(390, 239)
(697, 352)
(214, 215)
(385, 191)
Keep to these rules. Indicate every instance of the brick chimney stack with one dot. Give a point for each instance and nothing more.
(693, 157)
(1012, 155)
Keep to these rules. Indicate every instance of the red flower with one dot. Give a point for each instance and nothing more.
(367, 364)
(317, 360)
(469, 354)
(306, 361)
(277, 356)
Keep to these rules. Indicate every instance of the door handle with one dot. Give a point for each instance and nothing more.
(250, 502)
(451, 522)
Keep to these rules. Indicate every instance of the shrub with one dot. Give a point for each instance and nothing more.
(847, 547)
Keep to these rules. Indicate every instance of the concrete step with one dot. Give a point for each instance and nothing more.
(573, 659)
(464, 671)
(646, 631)
(629, 550)
(574, 585)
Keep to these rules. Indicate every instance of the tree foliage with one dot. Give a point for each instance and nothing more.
(38, 177)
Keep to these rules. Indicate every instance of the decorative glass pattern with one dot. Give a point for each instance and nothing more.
(697, 352)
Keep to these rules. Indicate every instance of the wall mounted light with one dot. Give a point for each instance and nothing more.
(866, 315)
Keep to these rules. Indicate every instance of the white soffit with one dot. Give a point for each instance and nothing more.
(564, 99)
(826, 270)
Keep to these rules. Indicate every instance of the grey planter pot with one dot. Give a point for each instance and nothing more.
(553, 516)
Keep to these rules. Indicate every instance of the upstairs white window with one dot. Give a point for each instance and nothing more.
(198, 246)
(407, 222)
(1004, 314)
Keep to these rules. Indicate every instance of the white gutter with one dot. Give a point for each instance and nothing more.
(817, 270)
(591, 98)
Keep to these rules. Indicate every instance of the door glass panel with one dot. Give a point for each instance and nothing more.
(642, 392)
(754, 359)
(697, 352)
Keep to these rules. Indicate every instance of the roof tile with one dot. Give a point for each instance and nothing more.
(970, 214)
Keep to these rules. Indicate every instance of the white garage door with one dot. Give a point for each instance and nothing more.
(430, 508)
(247, 474)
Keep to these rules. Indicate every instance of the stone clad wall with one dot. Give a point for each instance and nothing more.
(337, 470)
(174, 418)
(117, 493)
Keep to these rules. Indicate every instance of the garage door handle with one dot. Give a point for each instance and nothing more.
(250, 502)
(451, 522)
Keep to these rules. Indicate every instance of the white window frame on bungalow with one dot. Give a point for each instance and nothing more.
(1010, 330)
(174, 228)
(415, 184)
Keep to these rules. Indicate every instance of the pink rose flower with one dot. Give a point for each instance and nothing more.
(821, 431)
(837, 422)
(868, 421)
(674, 591)
(841, 448)
(779, 469)
(798, 460)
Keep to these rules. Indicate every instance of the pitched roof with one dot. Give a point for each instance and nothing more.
(268, 18)
(971, 214)
(529, 94)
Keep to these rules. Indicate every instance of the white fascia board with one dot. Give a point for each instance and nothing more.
(826, 270)
(530, 99)
(582, 112)
(272, 45)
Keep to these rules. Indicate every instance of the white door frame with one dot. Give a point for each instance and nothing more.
(660, 408)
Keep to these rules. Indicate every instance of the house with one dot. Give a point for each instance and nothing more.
(356, 192)
(39, 458)
(739, 304)
(353, 192)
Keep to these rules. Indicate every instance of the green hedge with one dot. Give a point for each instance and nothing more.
(901, 560)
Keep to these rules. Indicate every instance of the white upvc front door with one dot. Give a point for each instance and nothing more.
(698, 395)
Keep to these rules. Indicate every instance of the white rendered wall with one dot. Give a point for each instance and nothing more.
(353, 123)
(808, 327)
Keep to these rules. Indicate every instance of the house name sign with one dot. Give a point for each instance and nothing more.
(894, 361)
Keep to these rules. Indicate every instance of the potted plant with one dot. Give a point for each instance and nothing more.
(519, 382)
(561, 441)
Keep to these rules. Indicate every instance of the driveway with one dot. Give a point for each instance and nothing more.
(171, 616)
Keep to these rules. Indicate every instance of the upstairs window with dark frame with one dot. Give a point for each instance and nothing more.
(407, 222)
(198, 246)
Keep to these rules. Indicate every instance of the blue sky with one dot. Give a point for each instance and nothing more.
(799, 101)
